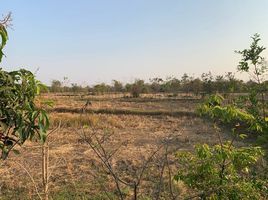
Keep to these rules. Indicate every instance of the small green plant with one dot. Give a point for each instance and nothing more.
(255, 65)
(222, 172)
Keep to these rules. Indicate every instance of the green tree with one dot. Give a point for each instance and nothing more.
(196, 86)
(117, 86)
(220, 84)
(56, 86)
(207, 79)
(101, 88)
(173, 85)
(20, 117)
(256, 66)
(76, 88)
(137, 88)
(156, 84)
(185, 80)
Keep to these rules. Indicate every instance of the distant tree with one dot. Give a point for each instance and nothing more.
(101, 88)
(232, 82)
(88, 89)
(185, 78)
(156, 85)
(137, 88)
(135, 91)
(117, 86)
(185, 83)
(128, 87)
(76, 88)
(65, 83)
(207, 79)
(196, 86)
(220, 84)
(173, 85)
(56, 86)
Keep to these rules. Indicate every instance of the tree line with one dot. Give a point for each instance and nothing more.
(206, 84)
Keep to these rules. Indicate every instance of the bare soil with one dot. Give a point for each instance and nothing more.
(73, 163)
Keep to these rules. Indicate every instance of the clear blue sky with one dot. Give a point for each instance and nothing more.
(91, 41)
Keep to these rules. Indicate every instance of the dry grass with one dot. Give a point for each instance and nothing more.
(128, 104)
(73, 162)
(74, 120)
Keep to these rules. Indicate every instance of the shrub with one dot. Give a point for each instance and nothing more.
(222, 172)
(231, 115)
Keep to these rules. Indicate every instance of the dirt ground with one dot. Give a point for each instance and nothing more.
(73, 163)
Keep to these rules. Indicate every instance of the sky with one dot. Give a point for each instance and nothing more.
(94, 41)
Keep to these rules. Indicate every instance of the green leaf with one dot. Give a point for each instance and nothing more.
(17, 152)
(4, 38)
(4, 89)
(3, 126)
(243, 136)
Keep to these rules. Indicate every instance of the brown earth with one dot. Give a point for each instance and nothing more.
(73, 163)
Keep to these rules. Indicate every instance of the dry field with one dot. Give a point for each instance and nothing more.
(147, 128)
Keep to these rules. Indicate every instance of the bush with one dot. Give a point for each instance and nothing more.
(231, 115)
(222, 172)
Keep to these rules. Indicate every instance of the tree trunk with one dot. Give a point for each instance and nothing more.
(45, 159)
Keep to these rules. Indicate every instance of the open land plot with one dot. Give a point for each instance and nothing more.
(74, 165)
(114, 102)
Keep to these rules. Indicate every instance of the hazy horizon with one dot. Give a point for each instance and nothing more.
(98, 41)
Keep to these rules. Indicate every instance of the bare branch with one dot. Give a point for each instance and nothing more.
(6, 21)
